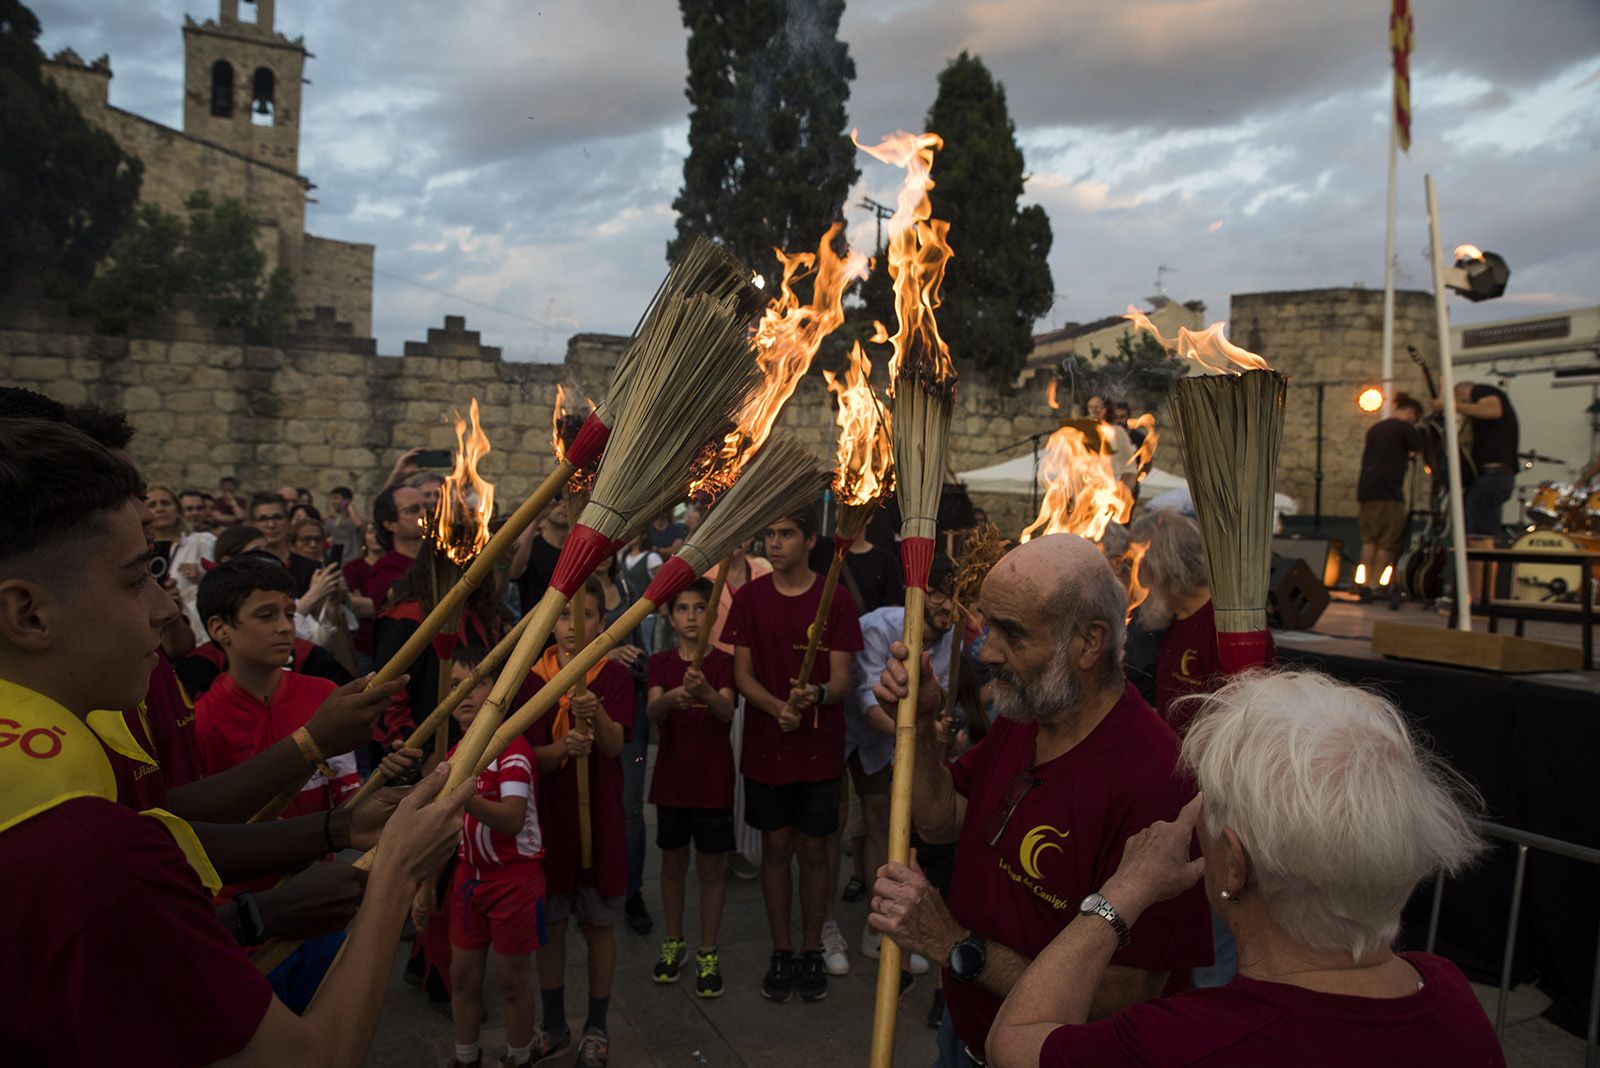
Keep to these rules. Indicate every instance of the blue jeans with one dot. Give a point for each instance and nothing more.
(635, 754)
(1481, 503)
(1225, 955)
(952, 1051)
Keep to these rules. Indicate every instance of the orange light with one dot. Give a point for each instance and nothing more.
(1083, 494)
(1206, 347)
(864, 464)
(918, 253)
(1361, 574)
(1388, 573)
(1055, 405)
(1468, 252)
(466, 500)
(786, 341)
(1370, 399)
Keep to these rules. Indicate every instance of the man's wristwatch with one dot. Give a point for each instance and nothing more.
(249, 926)
(967, 958)
(1096, 905)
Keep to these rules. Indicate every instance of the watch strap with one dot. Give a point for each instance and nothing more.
(250, 927)
(1097, 905)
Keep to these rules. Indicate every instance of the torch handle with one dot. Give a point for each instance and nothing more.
(581, 764)
(814, 634)
(441, 731)
(709, 623)
(905, 755)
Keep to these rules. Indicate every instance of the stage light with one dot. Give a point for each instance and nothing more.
(1370, 399)
(1361, 574)
(1478, 275)
(1388, 573)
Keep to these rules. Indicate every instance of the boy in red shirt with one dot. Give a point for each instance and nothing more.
(497, 894)
(693, 784)
(793, 752)
(594, 724)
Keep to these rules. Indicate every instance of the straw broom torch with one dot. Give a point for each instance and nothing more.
(704, 268)
(863, 476)
(658, 435)
(781, 476)
(580, 639)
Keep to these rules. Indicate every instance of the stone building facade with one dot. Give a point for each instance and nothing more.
(1333, 336)
(241, 139)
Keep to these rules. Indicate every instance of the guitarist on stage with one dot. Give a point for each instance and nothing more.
(1492, 426)
(1380, 491)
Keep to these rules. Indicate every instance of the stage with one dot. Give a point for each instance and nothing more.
(1530, 745)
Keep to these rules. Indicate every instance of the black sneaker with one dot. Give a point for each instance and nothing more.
(811, 976)
(671, 962)
(779, 982)
(708, 981)
(638, 916)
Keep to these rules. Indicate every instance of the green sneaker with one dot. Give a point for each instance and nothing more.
(670, 965)
(708, 980)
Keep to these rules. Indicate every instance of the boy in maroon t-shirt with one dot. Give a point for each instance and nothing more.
(693, 784)
(594, 724)
(792, 756)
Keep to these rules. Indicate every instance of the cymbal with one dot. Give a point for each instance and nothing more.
(1533, 457)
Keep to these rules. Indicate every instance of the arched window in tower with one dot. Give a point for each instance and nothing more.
(262, 105)
(222, 89)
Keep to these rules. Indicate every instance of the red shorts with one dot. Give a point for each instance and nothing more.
(505, 911)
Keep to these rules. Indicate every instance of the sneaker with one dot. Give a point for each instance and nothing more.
(708, 977)
(811, 976)
(638, 916)
(547, 1046)
(916, 964)
(835, 954)
(936, 1010)
(778, 985)
(854, 888)
(593, 1049)
(671, 962)
(871, 940)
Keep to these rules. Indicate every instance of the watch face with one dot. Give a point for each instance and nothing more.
(966, 961)
(1090, 903)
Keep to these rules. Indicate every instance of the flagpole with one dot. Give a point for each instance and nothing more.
(1388, 275)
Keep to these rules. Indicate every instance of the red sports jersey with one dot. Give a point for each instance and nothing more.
(492, 854)
(773, 626)
(140, 786)
(1251, 1023)
(1062, 841)
(231, 726)
(694, 766)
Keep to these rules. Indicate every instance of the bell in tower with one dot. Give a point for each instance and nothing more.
(242, 83)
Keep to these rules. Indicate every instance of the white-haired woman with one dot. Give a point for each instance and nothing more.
(1174, 567)
(1317, 817)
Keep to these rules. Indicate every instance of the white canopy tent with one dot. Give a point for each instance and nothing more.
(1161, 489)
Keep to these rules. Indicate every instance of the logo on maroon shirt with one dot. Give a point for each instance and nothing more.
(1185, 667)
(41, 743)
(1034, 844)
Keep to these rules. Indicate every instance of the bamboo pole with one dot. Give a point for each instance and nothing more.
(709, 623)
(580, 641)
(814, 633)
(905, 755)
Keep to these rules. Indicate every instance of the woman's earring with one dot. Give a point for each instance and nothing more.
(1225, 895)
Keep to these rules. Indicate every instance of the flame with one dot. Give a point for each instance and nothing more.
(1051, 396)
(466, 500)
(1137, 590)
(1206, 347)
(564, 421)
(786, 341)
(865, 457)
(1468, 252)
(918, 253)
(1145, 455)
(1082, 493)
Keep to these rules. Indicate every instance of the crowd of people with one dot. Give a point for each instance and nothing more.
(1121, 856)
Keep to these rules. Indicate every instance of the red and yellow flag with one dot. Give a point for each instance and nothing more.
(1400, 43)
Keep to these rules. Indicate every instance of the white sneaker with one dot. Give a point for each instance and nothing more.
(917, 964)
(834, 951)
(870, 941)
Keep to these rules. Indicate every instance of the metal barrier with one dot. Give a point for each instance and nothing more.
(1525, 841)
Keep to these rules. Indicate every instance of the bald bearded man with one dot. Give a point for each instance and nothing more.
(1075, 765)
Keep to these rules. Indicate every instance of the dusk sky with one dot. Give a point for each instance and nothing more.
(525, 157)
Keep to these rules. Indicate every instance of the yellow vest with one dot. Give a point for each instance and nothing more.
(48, 755)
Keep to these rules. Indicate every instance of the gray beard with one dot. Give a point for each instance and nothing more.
(1053, 695)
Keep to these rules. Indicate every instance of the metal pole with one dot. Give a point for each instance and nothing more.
(1511, 942)
(1388, 278)
(1452, 442)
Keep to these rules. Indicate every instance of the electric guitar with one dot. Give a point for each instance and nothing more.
(1420, 568)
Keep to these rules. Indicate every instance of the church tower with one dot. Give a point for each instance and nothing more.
(241, 84)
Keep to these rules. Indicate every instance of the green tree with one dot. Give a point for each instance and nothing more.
(1138, 371)
(770, 162)
(66, 188)
(213, 258)
(998, 282)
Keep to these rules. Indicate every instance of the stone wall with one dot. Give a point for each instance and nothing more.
(338, 274)
(1334, 336)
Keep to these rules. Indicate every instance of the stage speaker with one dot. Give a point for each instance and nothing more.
(1324, 556)
(1295, 597)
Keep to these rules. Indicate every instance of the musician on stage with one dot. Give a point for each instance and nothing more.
(1492, 427)
(1380, 490)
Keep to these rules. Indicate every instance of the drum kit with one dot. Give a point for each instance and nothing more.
(1561, 518)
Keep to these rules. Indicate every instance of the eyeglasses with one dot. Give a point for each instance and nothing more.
(1021, 784)
(279, 518)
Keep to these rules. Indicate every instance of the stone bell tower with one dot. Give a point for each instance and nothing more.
(241, 83)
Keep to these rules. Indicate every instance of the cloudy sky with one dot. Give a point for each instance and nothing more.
(517, 162)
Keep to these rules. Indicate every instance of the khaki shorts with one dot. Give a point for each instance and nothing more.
(592, 909)
(1383, 523)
